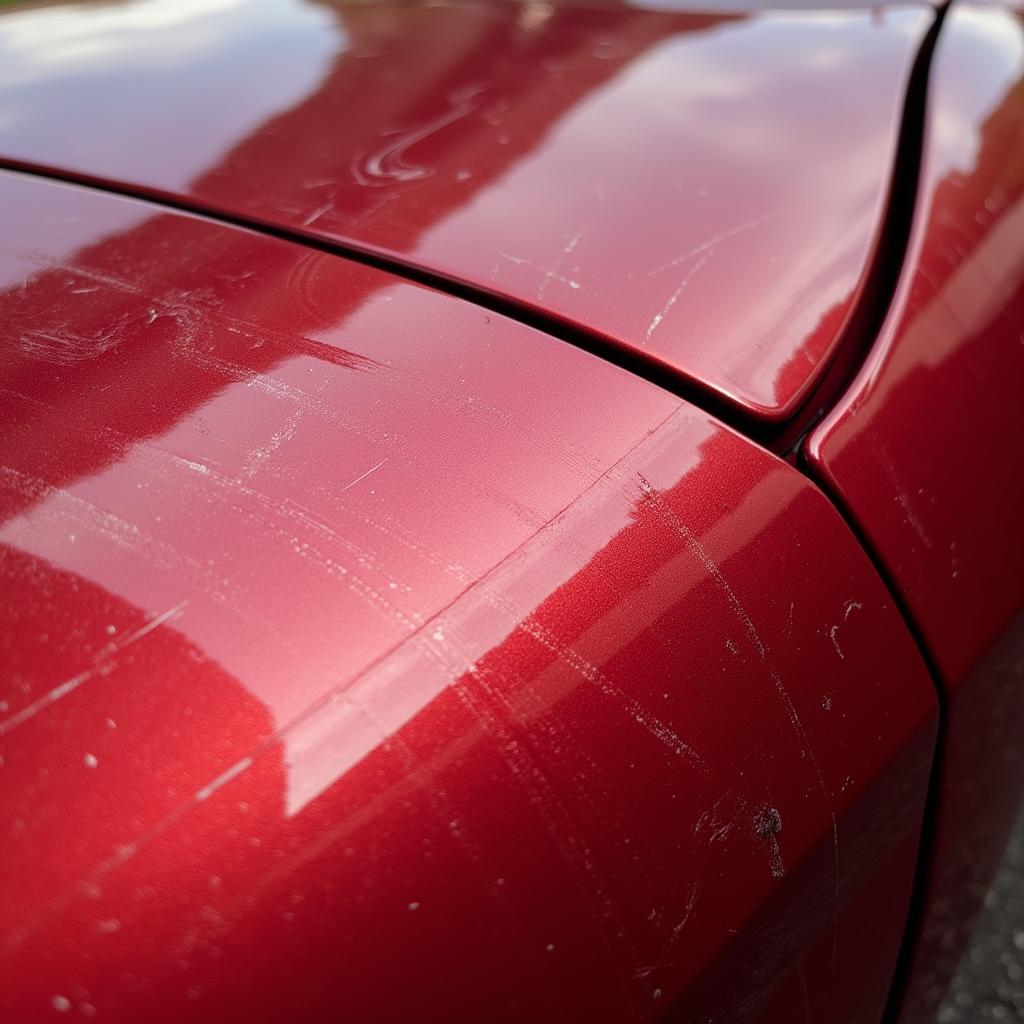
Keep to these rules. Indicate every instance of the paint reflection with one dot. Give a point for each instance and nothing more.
(704, 186)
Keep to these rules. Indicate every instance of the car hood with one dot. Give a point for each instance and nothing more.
(702, 188)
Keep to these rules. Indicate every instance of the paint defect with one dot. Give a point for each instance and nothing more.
(769, 825)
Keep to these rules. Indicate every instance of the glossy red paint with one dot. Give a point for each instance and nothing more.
(704, 189)
(926, 452)
(373, 657)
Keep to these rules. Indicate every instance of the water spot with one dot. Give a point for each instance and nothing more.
(61, 1004)
(414, 905)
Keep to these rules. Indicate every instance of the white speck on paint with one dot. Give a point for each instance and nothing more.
(91, 760)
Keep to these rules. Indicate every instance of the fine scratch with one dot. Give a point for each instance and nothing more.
(260, 456)
(848, 608)
(574, 241)
(657, 503)
(552, 272)
(659, 729)
(100, 666)
(709, 245)
(833, 633)
(673, 298)
(372, 469)
(549, 273)
(310, 219)
(223, 779)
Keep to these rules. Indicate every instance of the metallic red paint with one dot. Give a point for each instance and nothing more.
(373, 657)
(927, 454)
(702, 188)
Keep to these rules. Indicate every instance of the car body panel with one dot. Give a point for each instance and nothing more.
(701, 189)
(372, 656)
(926, 453)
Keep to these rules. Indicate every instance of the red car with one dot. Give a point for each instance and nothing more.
(509, 511)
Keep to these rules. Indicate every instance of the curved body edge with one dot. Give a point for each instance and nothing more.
(925, 454)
